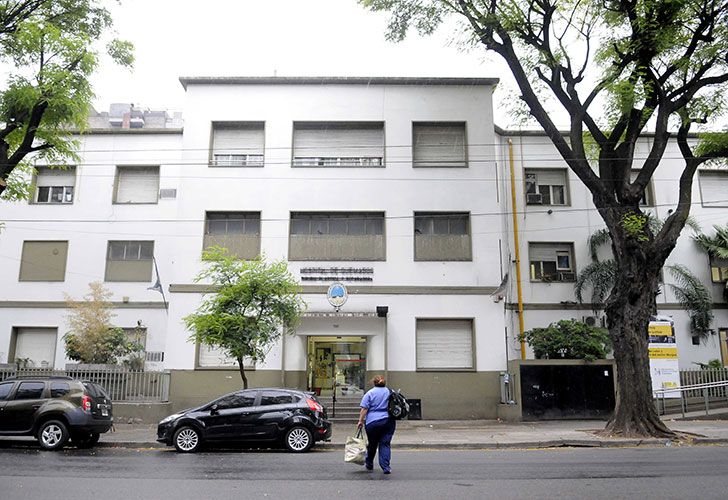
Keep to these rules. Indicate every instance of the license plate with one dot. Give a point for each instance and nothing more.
(104, 412)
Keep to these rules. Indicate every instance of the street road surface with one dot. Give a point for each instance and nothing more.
(117, 473)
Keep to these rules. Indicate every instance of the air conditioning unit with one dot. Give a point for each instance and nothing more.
(534, 199)
(167, 194)
(594, 321)
(567, 276)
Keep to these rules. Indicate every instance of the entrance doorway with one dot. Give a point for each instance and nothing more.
(337, 364)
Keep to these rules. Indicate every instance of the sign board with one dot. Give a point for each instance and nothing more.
(337, 295)
(663, 357)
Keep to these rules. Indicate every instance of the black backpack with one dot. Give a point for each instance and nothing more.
(397, 406)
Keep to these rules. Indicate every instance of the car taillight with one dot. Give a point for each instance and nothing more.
(86, 403)
(314, 405)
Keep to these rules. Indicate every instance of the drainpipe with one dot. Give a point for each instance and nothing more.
(516, 243)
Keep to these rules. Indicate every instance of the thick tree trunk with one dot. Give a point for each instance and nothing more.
(242, 373)
(629, 308)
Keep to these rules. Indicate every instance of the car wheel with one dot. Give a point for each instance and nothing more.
(298, 439)
(86, 440)
(187, 440)
(52, 435)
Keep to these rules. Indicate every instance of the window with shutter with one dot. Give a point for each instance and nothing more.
(648, 200)
(129, 261)
(215, 357)
(713, 188)
(55, 185)
(442, 236)
(238, 232)
(546, 187)
(35, 347)
(551, 262)
(337, 236)
(137, 185)
(43, 261)
(445, 344)
(239, 144)
(718, 270)
(338, 144)
(439, 144)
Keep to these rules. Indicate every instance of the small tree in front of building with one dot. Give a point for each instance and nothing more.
(254, 303)
(93, 338)
(569, 339)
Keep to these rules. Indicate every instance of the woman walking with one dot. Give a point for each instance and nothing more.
(378, 423)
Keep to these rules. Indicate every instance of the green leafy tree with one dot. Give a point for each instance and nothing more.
(569, 339)
(690, 292)
(93, 338)
(717, 247)
(50, 49)
(614, 67)
(254, 303)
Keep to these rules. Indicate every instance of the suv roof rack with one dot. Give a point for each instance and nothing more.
(39, 377)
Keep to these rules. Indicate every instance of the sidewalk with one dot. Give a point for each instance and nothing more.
(475, 434)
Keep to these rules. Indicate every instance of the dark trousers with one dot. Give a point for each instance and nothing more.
(379, 434)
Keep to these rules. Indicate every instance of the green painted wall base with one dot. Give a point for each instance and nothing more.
(444, 395)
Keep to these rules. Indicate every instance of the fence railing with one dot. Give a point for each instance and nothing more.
(121, 384)
(696, 377)
(704, 389)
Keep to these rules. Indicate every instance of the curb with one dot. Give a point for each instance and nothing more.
(558, 443)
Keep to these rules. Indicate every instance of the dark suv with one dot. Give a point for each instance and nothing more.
(292, 418)
(54, 409)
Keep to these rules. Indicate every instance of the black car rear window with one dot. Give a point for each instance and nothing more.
(59, 389)
(5, 389)
(277, 398)
(30, 390)
(95, 390)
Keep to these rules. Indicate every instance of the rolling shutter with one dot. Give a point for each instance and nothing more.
(551, 177)
(714, 188)
(56, 177)
(439, 144)
(444, 344)
(338, 140)
(238, 139)
(137, 185)
(38, 345)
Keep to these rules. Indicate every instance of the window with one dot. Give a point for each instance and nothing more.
(238, 144)
(59, 389)
(34, 347)
(551, 262)
(30, 390)
(713, 187)
(129, 261)
(546, 187)
(718, 269)
(337, 236)
(445, 344)
(277, 398)
(649, 197)
(55, 185)
(441, 236)
(43, 261)
(338, 144)
(215, 357)
(5, 388)
(137, 185)
(242, 399)
(438, 144)
(239, 232)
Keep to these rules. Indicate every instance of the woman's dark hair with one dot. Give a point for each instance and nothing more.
(379, 381)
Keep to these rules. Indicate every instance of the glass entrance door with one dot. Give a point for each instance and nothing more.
(337, 364)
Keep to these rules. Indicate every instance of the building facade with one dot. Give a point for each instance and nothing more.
(398, 188)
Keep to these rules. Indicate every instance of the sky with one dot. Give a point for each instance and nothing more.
(272, 37)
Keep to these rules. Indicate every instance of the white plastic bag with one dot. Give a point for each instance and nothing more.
(355, 451)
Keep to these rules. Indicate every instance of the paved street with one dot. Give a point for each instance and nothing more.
(119, 473)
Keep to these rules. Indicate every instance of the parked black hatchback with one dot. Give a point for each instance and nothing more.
(294, 419)
(54, 409)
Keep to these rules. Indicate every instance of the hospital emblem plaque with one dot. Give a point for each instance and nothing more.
(337, 295)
